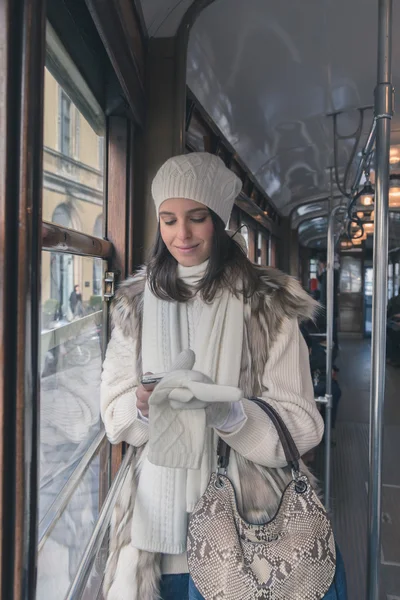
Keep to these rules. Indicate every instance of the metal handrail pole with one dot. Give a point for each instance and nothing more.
(330, 265)
(79, 583)
(383, 115)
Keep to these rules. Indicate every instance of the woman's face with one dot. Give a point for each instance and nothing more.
(187, 230)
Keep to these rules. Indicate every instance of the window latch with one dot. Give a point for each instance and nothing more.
(109, 284)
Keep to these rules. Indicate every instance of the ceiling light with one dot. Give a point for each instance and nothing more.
(394, 191)
(367, 195)
(394, 156)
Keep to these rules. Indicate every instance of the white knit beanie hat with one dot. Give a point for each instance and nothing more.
(198, 176)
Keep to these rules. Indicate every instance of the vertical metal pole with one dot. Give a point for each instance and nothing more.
(330, 260)
(383, 114)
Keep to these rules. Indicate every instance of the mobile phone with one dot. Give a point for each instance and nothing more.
(152, 379)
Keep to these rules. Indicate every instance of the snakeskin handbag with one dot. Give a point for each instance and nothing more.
(291, 557)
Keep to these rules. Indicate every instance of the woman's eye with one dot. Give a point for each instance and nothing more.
(201, 220)
(169, 222)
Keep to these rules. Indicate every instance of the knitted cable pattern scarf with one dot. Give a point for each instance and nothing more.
(166, 494)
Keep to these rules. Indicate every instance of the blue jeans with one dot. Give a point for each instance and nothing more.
(181, 587)
(338, 589)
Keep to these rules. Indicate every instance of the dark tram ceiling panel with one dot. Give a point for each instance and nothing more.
(268, 73)
(162, 17)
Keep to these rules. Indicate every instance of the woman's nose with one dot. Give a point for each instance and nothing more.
(184, 231)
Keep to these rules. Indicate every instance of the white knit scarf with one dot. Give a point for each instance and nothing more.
(166, 495)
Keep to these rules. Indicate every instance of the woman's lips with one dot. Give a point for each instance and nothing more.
(187, 249)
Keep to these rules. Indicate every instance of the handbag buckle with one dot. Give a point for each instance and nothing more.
(295, 474)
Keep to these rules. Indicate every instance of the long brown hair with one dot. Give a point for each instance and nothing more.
(228, 266)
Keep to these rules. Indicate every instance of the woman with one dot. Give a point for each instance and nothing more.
(199, 292)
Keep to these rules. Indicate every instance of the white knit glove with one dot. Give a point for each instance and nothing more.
(188, 390)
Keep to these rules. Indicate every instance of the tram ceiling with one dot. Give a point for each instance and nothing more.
(163, 17)
(269, 85)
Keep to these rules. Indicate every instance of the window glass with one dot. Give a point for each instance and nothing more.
(259, 248)
(350, 275)
(368, 283)
(71, 358)
(390, 280)
(313, 268)
(245, 233)
(396, 278)
(72, 325)
(63, 550)
(73, 180)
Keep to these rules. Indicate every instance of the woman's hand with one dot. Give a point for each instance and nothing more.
(143, 394)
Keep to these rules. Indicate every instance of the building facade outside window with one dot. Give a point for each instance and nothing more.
(65, 124)
(73, 194)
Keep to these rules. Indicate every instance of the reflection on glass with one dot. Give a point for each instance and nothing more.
(60, 556)
(368, 281)
(245, 233)
(396, 278)
(350, 275)
(94, 587)
(71, 357)
(73, 181)
(390, 281)
(311, 228)
(307, 208)
(259, 248)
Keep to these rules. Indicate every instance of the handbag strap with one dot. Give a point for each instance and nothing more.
(292, 454)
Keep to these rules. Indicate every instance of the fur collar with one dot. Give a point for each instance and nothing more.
(280, 294)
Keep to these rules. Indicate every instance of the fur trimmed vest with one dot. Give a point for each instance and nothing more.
(133, 574)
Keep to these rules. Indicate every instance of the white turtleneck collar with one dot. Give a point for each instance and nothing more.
(192, 275)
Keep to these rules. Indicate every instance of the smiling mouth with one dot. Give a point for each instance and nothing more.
(187, 248)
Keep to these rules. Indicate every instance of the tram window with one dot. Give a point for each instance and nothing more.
(71, 358)
(396, 277)
(72, 161)
(74, 471)
(350, 276)
(390, 281)
(259, 248)
(61, 553)
(70, 350)
(245, 233)
(313, 269)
